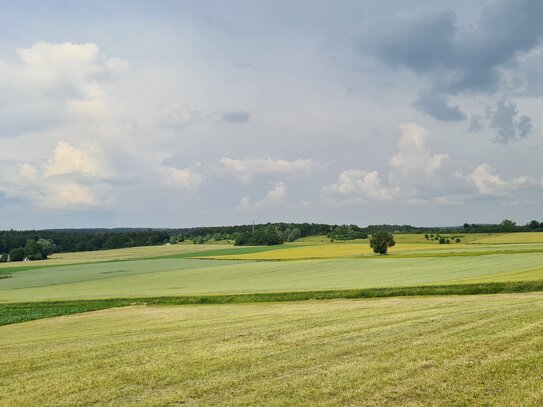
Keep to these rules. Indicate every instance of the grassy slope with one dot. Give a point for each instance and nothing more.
(173, 277)
(12, 313)
(479, 350)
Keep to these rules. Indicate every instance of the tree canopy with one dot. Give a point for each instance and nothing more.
(381, 240)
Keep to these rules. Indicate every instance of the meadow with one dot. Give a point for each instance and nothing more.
(297, 324)
(184, 276)
(447, 351)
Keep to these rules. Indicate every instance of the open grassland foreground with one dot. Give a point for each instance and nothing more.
(440, 351)
(262, 338)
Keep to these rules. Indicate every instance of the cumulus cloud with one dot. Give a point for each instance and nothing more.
(55, 193)
(413, 156)
(184, 178)
(86, 160)
(52, 82)
(247, 170)
(489, 183)
(413, 170)
(74, 178)
(360, 186)
(67, 65)
(456, 59)
(274, 198)
(69, 195)
(418, 175)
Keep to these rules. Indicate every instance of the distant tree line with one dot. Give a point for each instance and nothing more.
(31, 244)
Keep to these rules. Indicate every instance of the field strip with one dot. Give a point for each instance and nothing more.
(20, 312)
(481, 350)
(100, 257)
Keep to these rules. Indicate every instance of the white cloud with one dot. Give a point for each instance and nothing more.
(360, 186)
(488, 182)
(28, 171)
(55, 84)
(276, 197)
(248, 169)
(413, 155)
(86, 160)
(50, 66)
(413, 169)
(417, 175)
(183, 178)
(73, 178)
(69, 195)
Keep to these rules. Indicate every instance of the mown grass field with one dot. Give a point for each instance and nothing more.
(298, 324)
(446, 351)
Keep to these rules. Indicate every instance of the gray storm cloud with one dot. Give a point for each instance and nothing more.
(458, 59)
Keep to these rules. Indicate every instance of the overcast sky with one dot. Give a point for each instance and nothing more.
(183, 113)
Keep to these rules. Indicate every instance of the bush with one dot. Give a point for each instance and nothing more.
(458, 240)
(35, 256)
(261, 237)
(17, 254)
(3, 257)
(442, 240)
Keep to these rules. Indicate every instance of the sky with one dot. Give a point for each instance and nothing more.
(179, 113)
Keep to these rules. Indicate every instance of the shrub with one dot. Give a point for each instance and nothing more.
(17, 254)
(198, 240)
(261, 237)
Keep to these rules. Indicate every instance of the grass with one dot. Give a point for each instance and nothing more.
(130, 253)
(20, 312)
(446, 351)
(512, 238)
(175, 277)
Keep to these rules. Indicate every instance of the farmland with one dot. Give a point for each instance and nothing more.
(138, 347)
(477, 350)
(219, 269)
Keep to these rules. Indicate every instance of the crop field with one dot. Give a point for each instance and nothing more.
(131, 253)
(447, 351)
(171, 277)
(102, 328)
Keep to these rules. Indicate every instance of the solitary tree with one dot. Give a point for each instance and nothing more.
(381, 240)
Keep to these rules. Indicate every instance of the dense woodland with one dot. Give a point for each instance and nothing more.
(38, 244)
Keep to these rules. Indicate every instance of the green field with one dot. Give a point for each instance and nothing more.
(446, 351)
(171, 277)
(264, 339)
